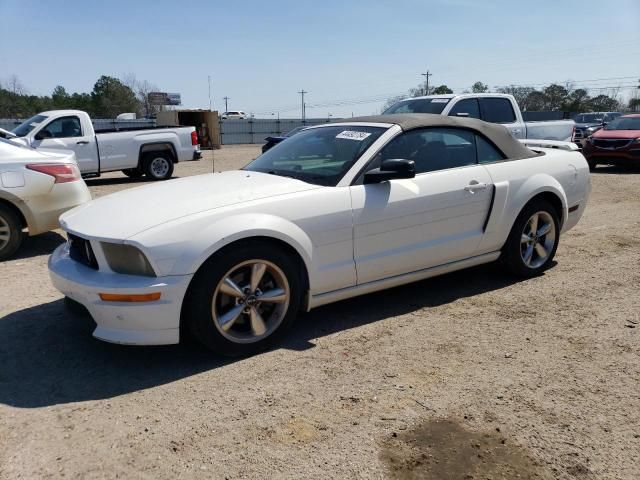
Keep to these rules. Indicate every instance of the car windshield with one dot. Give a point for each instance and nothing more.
(624, 123)
(28, 125)
(418, 105)
(588, 118)
(321, 156)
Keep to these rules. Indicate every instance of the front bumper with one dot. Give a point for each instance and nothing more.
(145, 323)
(623, 156)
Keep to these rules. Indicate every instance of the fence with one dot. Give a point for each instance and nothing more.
(234, 131)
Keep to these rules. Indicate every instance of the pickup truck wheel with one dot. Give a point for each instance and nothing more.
(10, 232)
(243, 299)
(533, 240)
(133, 172)
(158, 166)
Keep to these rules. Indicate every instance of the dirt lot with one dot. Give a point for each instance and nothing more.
(471, 375)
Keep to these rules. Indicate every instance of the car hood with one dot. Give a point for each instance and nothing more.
(621, 134)
(121, 215)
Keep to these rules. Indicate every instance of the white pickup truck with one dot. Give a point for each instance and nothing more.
(150, 151)
(490, 107)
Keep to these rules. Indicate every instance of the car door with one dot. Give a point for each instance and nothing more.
(401, 226)
(500, 110)
(66, 133)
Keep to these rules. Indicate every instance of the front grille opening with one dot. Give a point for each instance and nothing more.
(80, 250)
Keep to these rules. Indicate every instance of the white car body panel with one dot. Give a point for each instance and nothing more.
(36, 195)
(111, 151)
(352, 238)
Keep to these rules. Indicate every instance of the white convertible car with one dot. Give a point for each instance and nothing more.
(335, 211)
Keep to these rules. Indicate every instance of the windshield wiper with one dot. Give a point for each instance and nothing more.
(280, 174)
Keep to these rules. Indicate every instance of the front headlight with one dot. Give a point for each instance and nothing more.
(127, 259)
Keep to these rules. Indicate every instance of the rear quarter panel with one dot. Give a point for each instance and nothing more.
(516, 182)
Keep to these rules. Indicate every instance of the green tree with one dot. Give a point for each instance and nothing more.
(577, 101)
(634, 104)
(60, 98)
(555, 96)
(479, 87)
(111, 97)
(536, 101)
(441, 90)
(604, 103)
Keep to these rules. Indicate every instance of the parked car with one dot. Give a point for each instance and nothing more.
(271, 141)
(35, 188)
(234, 256)
(238, 114)
(135, 151)
(589, 123)
(490, 107)
(618, 143)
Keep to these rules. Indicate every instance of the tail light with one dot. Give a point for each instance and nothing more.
(194, 138)
(62, 172)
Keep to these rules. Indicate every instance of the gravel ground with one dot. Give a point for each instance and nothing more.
(470, 375)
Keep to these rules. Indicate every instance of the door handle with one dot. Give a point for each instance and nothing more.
(82, 142)
(475, 186)
(516, 130)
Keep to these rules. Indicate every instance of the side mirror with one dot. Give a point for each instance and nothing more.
(42, 134)
(391, 169)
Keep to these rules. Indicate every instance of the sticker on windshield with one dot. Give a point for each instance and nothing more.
(439, 100)
(353, 135)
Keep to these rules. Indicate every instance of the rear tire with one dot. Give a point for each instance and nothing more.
(158, 165)
(11, 234)
(592, 164)
(133, 172)
(533, 240)
(226, 306)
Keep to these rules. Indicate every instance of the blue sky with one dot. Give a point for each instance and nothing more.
(344, 53)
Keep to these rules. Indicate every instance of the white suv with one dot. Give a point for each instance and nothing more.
(36, 187)
(234, 114)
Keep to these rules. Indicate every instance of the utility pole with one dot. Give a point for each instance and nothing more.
(210, 103)
(427, 75)
(302, 92)
(226, 107)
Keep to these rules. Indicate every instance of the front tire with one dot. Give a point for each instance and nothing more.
(158, 165)
(533, 240)
(592, 164)
(11, 235)
(243, 299)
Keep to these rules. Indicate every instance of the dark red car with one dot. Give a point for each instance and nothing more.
(618, 143)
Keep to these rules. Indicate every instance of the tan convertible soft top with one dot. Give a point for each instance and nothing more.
(496, 133)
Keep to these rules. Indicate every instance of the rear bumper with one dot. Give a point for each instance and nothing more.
(145, 323)
(44, 210)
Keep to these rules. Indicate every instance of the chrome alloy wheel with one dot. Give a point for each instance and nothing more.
(5, 233)
(250, 301)
(538, 239)
(159, 167)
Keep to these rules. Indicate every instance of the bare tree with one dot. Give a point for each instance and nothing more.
(142, 88)
(14, 85)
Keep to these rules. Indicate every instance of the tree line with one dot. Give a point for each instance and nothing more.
(553, 97)
(110, 97)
